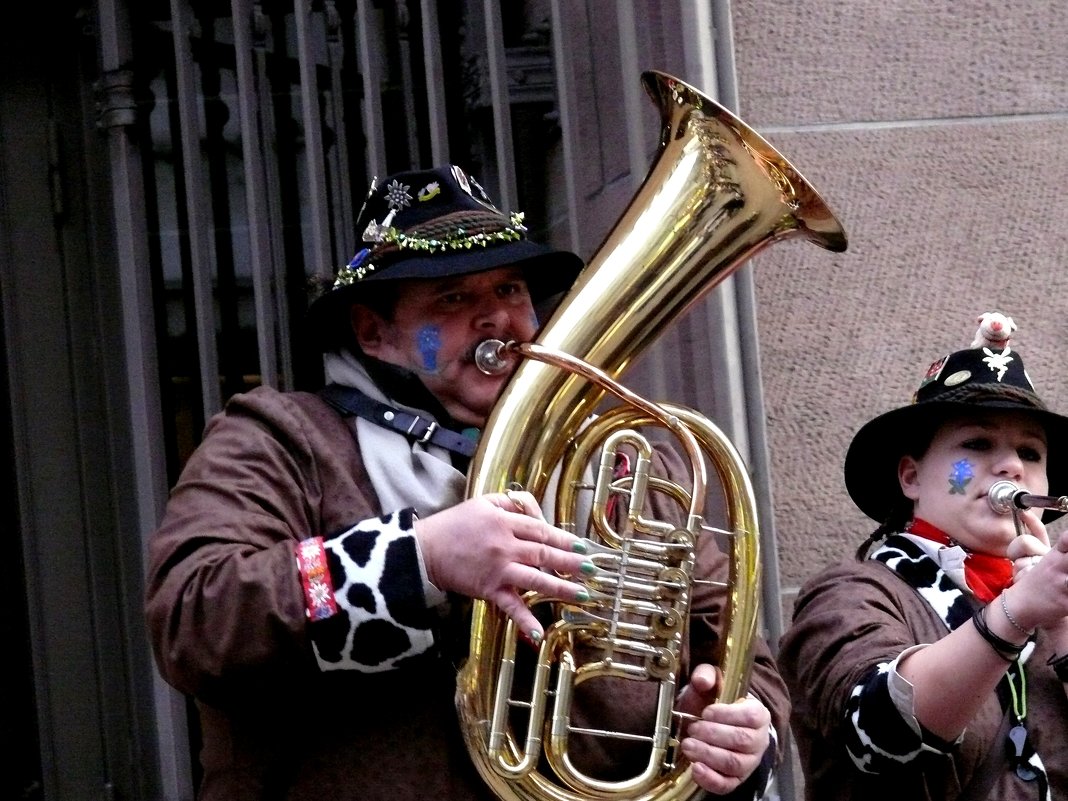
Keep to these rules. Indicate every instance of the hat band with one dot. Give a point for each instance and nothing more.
(1001, 392)
(460, 231)
(453, 232)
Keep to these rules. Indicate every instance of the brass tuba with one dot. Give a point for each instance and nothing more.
(715, 194)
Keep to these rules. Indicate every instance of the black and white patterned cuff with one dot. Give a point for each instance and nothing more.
(382, 613)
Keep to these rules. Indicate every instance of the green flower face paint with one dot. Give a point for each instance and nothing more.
(961, 474)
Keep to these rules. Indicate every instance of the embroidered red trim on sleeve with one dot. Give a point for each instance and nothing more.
(319, 600)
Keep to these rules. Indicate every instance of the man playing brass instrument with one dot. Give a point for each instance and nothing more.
(307, 585)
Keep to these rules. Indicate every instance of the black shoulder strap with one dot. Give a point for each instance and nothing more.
(350, 401)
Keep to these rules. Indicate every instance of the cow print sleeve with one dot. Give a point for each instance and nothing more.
(879, 737)
(366, 604)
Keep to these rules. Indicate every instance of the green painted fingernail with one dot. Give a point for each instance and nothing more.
(580, 546)
(589, 568)
(582, 595)
(535, 636)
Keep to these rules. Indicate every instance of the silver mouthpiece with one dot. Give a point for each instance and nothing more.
(490, 357)
(1004, 496)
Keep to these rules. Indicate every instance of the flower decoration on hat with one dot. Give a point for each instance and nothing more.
(397, 199)
(397, 196)
(437, 223)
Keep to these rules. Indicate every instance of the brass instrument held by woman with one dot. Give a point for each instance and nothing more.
(1007, 498)
(715, 195)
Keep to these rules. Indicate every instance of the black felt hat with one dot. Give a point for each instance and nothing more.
(981, 377)
(433, 224)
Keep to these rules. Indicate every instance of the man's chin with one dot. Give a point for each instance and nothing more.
(470, 416)
(480, 394)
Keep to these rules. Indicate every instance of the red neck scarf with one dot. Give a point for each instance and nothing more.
(985, 575)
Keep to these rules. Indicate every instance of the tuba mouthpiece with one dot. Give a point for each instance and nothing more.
(490, 357)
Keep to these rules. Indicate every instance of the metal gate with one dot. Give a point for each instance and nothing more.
(235, 144)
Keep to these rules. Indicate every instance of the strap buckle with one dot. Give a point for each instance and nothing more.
(430, 429)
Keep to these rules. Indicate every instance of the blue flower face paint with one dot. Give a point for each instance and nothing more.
(961, 474)
(428, 339)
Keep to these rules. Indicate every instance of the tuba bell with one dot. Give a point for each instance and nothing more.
(715, 195)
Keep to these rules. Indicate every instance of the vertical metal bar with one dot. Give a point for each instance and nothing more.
(338, 157)
(216, 115)
(723, 54)
(699, 48)
(198, 208)
(404, 47)
(720, 307)
(268, 134)
(435, 83)
(715, 54)
(749, 351)
(566, 103)
(632, 94)
(260, 256)
(749, 341)
(662, 360)
(502, 107)
(144, 413)
(313, 144)
(370, 61)
(719, 323)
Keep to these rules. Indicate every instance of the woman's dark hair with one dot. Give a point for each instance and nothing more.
(896, 521)
(916, 445)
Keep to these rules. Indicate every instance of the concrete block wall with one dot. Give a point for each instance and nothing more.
(938, 131)
(939, 134)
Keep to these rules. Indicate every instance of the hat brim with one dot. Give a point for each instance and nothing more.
(871, 463)
(546, 270)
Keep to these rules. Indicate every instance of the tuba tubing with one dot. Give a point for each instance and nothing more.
(715, 195)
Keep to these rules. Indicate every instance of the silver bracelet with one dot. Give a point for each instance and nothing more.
(1012, 620)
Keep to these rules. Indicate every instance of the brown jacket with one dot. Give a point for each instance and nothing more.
(855, 615)
(227, 619)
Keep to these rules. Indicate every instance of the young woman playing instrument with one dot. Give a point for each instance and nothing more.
(934, 667)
